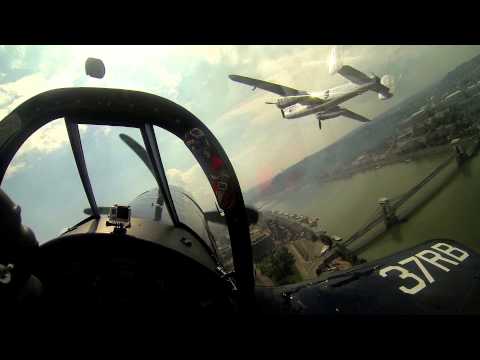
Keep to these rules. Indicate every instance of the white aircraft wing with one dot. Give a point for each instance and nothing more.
(354, 75)
(268, 86)
(354, 116)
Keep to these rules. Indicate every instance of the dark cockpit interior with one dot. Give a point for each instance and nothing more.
(117, 259)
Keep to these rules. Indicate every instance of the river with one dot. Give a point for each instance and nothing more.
(447, 207)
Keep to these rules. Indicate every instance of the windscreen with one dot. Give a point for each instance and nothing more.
(349, 155)
(43, 179)
(117, 174)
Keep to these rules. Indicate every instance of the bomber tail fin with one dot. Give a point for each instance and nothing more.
(383, 86)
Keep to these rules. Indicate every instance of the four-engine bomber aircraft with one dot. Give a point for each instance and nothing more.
(157, 254)
(324, 104)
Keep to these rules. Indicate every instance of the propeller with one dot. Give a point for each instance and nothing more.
(142, 154)
(139, 150)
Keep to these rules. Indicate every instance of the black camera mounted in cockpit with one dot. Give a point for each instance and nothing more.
(119, 217)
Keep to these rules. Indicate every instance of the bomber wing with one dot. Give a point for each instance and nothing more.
(268, 86)
(354, 116)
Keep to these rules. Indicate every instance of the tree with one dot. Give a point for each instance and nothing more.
(279, 266)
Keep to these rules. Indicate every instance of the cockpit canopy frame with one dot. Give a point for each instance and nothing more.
(118, 107)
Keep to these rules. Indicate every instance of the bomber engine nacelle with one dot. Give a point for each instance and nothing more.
(328, 114)
(383, 97)
(387, 81)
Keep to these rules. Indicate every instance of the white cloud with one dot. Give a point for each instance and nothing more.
(253, 105)
(25, 88)
(102, 130)
(28, 86)
(168, 83)
(14, 167)
(132, 55)
(187, 177)
(48, 138)
(6, 98)
(267, 139)
(141, 68)
(212, 54)
(195, 182)
(176, 177)
(18, 62)
(289, 69)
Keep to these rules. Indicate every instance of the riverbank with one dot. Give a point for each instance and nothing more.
(449, 211)
(345, 206)
(394, 159)
(405, 209)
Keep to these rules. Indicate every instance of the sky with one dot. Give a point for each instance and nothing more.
(43, 179)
